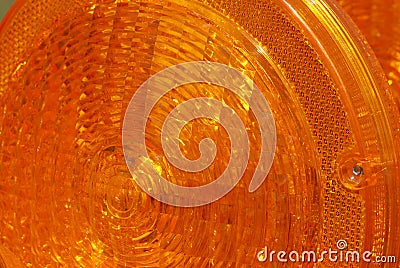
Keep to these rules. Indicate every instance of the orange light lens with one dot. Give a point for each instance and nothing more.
(68, 70)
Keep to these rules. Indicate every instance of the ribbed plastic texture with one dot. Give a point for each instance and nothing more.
(68, 70)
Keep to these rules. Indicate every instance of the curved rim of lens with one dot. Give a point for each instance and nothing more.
(354, 51)
(10, 15)
(366, 74)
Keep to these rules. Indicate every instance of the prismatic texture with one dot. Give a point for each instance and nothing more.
(66, 194)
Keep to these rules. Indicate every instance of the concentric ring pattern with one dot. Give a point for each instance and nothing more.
(68, 70)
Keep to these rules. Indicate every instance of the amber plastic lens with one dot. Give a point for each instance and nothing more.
(378, 22)
(68, 71)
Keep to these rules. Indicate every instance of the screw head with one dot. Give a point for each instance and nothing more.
(358, 170)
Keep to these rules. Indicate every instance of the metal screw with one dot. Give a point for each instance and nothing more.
(358, 170)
